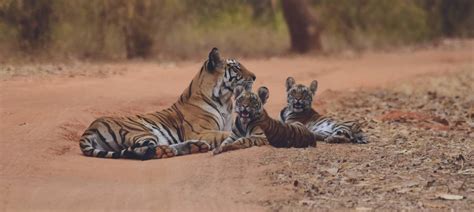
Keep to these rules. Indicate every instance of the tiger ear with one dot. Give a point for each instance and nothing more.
(263, 94)
(313, 87)
(238, 90)
(290, 81)
(214, 60)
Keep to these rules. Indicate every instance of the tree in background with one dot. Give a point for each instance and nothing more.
(451, 18)
(457, 17)
(32, 20)
(302, 25)
(181, 28)
(137, 29)
(126, 27)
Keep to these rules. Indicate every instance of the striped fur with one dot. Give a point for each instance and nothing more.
(299, 110)
(198, 121)
(254, 127)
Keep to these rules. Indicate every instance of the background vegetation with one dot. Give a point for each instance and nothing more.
(182, 29)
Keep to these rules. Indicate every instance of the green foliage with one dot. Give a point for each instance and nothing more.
(370, 23)
(379, 23)
(31, 19)
(453, 18)
(231, 28)
(185, 28)
(144, 28)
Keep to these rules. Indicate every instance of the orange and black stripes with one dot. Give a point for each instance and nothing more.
(198, 119)
(299, 110)
(253, 126)
(285, 135)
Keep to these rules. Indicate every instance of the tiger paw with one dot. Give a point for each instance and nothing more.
(218, 150)
(336, 139)
(165, 152)
(199, 147)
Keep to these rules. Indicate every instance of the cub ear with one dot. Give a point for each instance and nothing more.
(214, 60)
(238, 90)
(263, 94)
(290, 81)
(313, 87)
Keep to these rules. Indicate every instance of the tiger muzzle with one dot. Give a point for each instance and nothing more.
(245, 115)
(298, 105)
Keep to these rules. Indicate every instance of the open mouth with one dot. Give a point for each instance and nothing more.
(244, 114)
(298, 106)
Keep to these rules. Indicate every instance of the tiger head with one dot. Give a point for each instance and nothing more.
(248, 105)
(299, 96)
(228, 73)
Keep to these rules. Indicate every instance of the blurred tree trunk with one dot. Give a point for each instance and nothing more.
(455, 14)
(137, 29)
(451, 18)
(101, 26)
(32, 19)
(303, 27)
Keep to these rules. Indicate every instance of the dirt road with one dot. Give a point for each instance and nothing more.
(41, 166)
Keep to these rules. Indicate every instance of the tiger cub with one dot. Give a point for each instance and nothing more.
(254, 127)
(300, 98)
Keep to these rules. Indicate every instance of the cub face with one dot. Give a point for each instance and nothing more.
(300, 97)
(248, 105)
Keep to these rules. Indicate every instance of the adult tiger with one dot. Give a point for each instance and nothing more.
(254, 127)
(197, 122)
(300, 99)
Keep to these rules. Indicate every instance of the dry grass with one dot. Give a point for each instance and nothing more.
(421, 148)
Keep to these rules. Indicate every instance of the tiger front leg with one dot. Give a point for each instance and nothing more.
(225, 145)
(213, 138)
(241, 143)
(164, 151)
(228, 147)
(147, 148)
(191, 147)
(205, 141)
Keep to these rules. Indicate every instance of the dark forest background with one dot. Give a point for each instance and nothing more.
(183, 29)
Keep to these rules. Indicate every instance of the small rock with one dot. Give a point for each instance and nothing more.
(449, 197)
(363, 209)
(332, 171)
(442, 121)
(307, 202)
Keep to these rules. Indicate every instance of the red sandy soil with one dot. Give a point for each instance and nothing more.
(41, 118)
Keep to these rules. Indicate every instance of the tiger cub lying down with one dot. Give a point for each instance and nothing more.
(254, 127)
(300, 99)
